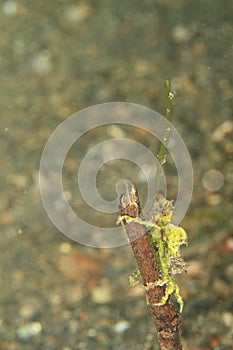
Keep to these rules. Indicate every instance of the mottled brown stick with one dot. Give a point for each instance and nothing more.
(167, 319)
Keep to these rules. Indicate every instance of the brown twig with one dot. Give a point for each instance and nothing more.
(167, 319)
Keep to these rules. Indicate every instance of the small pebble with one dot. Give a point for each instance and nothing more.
(199, 49)
(188, 85)
(18, 180)
(214, 199)
(221, 287)
(115, 131)
(222, 131)
(82, 346)
(29, 310)
(228, 246)
(78, 13)
(68, 195)
(29, 330)
(101, 295)
(194, 268)
(229, 271)
(121, 326)
(227, 318)
(42, 64)
(10, 8)
(142, 68)
(65, 248)
(181, 34)
(55, 299)
(92, 333)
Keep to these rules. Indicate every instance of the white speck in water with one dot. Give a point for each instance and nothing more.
(213, 180)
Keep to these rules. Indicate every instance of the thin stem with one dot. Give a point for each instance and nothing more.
(162, 152)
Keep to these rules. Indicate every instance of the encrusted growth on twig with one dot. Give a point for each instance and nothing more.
(166, 317)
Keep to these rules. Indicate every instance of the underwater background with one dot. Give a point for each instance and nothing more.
(57, 58)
